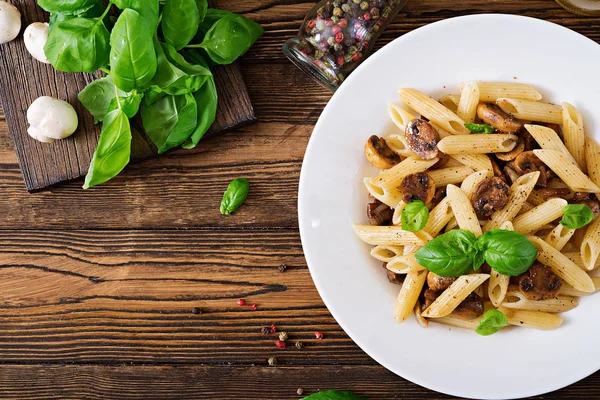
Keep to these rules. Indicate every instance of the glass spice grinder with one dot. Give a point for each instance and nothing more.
(337, 35)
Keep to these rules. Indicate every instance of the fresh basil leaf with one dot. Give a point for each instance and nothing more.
(78, 45)
(129, 103)
(148, 9)
(202, 8)
(170, 121)
(67, 6)
(113, 151)
(94, 11)
(235, 195)
(480, 128)
(207, 100)
(333, 395)
(508, 252)
(492, 322)
(180, 20)
(451, 254)
(132, 56)
(230, 37)
(414, 216)
(97, 96)
(576, 216)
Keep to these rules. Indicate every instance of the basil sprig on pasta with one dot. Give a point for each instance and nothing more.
(414, 216)
(480, 128)
(492, 322)
(576, 216)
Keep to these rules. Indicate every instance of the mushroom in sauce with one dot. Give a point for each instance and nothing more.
(539, 283)
(438, 283)
(439, 195)
(511, 155)
(379, 214)
(396, 279)
(511, 173)
(489, 196)
(589, 199)
(429, 296)
(379, 153)
(497, 169)
(528, 162)
(422, 139)
(469, 308)
(493, 115)
(419, 186)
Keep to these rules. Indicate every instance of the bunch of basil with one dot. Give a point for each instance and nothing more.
(157, 58)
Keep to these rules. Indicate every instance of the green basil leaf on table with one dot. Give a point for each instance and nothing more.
(492, 322)
(113, 151)
(94, 11)
(333, 395)
(576, 216)
(78, 45)
(508, 252)
(170, 121)
(180, 20)
(414, 216)
(452, 254)
(149, 9)
(67, 6)
(130, 103)
(132, 56)
(207, 100)
(97, 96)
(230, 38)
(235, 195)
(480, 128)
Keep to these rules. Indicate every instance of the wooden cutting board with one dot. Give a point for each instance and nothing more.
(23, 79)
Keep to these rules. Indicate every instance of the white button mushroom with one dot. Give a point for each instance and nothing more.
(35, 37)
(51, 119)
(10, 22)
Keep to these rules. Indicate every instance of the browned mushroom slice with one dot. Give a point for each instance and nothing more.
(419, 186)
(429, 296)
(379, 214)
(511, 174)
(511, 155)
(439, 195)
(497, 169)
(539, 283)
(528, 162)
(422, 139)
(493, 115)
(396, 279)
(490, 195)
(469, 308)
(528, 140)
(438, 283)
(551, 193)
(589, 200)
(379, 153)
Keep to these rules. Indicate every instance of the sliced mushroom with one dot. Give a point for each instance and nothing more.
(470, 308)
(528, 162)
(551, 193)
(419, 186)
(589, 200)
(429, 297)
(379, 214)
(511, 174)
(422, 139)
(493, 115)
(497, 169)
(490, 195)
(539, 283)
(396, 279)
(528, 140)
(379, 153)
(439, 195)
(511, 155)
(438, 283)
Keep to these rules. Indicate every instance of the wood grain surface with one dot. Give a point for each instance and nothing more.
(97, 288)
(23, 79)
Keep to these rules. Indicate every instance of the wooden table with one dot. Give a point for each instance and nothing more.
(97, 288)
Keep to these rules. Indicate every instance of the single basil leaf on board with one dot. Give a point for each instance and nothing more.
(170, 121)
(148, 9)
(480, 128)
(132, 56)
(67, 6)
(230, 37)
(492, 322)
(414, 216)
(449, 255)
(113, 151)
(180, 20)
(207, 100)
(78, 45)
(576, 216)
(235, 195)
(97, 96)
(130, 103)
(508, 252)
(333, 395)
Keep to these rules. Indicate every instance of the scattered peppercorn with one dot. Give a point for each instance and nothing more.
(272, 361)
(265, 330)
(282, 268)
(319, 335)
(300, 391)
(196, 310)
(273, 328)
(299, 345)
(252, 307)
(281, 344)
(241, 302)
(283, 336)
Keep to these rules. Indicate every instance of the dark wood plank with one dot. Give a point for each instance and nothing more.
(23, 79)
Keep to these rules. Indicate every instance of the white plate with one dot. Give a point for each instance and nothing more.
(512, 363)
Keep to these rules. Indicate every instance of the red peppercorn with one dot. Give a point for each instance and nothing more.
(343, 22)
(335, 30)
(339, 37)
(367, 16)
(319, 335)
(241, 302)
(312, 23)
(355, 57)
(340, 60)
(280, 343)
(273, 328)
(252, 307)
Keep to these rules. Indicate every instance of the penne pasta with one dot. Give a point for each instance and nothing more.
(409, 294)
(386, 253)
(590, 245)
(388, 235)
(531, 319)
(439, 217)
(445, 176)
(397, 143)
(399, 116)
(392, 197)
(469, 100)
(434, 111)
(498, 283)
(454, 295)
(404, 264)
(420, 319)
(547, 138)
(476, 162)
(450, 101)
(541, 215)
(451, 320)
(517, 300)
(559, 236)
(397, 216)
(531, 110)
(592, 160)
(463, 210)
(477, 144)
(567, 170)
(492, 91)
(569, 290)
(572, 122)
(391, 178)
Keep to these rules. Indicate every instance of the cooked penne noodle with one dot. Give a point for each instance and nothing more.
(445, 176)
(526, 207)
(404, 264)
(559, 237)
(386, 253)
(420, 319)
(392, 178)
(397, 216)
(463, 210)
(573, 131)
(575, 256)
(441, 132)
(557, 184)
(451, 320)
(566, 269)
(531, 319)
(399, 116)
(492, 91)
(592, 160)
(476, 162)
(519, 192)
(392, 197)
(567, 170)
(434, 111)
(409, 294)
(531, 110)
(577, 238)
(469, 100)
(541, 215)
(439, 217)
(498, 283)
(590, 246)
(569, 290)
(536, 198)
(517, 300)
(547, 138)
(468, 186)
(397, 142)
(477, 144)
(388, 235)
(450, 101)
(454, 295)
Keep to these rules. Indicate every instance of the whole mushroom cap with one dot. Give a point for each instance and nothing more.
(55, 118)
(35, 38)
(10, 22)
